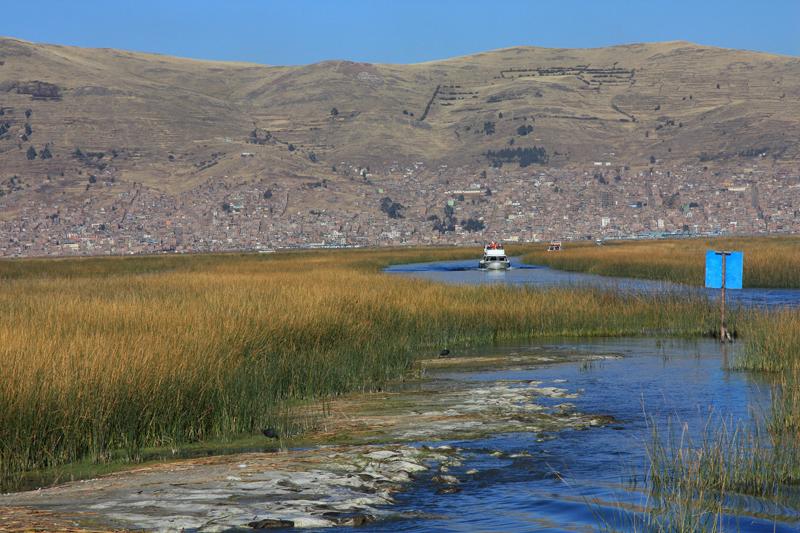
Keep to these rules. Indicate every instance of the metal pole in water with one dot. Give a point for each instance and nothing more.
(717, 273)
(723, 329)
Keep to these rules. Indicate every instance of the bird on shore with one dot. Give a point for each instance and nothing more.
(444, 352)
(270, 433)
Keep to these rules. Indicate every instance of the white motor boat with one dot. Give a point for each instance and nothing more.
(494, 257)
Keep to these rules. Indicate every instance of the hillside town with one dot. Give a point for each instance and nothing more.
(411, 204)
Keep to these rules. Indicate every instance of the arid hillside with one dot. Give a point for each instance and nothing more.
(173, 123)
(111, 152)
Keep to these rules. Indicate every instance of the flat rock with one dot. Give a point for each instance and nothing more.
(271, 523)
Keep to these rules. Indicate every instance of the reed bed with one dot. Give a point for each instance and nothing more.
(773, 342)
(694, 483)
(732, 469)
(770, 262)
(109, 356)
(773, 348)
(729, 458)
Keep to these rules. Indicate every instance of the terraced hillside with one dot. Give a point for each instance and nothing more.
(91, 139)
(171, 123)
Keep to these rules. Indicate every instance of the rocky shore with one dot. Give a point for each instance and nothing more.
(324, 485)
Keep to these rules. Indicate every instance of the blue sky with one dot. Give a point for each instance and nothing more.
(395, 31)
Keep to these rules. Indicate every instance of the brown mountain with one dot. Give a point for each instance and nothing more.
(171, 123)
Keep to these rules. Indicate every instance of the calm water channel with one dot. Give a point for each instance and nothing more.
(542, 276)
(576, 479)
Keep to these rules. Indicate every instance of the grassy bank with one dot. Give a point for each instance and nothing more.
(769, 261)
(773, 348)
(119, 354)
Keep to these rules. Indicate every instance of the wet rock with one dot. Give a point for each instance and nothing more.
(553, 392)
(453, 462)
(445, 479)
(381, 455)
(519, 454)
(602, 420)
(404, 466)
(349, 519)
(271, 523)
(306, 522)
(564, 408)
(400, 476)
(336, 485)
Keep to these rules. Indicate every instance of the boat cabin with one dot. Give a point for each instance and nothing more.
(494, 257)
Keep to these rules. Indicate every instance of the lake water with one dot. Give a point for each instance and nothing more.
(580, 479)
(525, 483)
(466, 272)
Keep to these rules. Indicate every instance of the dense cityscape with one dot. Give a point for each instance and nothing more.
(404, 205)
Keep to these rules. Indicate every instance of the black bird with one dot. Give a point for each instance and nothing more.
(444, 352)
(270, 433)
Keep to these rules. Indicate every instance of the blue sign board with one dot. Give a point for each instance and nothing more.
(734, 263)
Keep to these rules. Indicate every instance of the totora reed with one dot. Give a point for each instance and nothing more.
(104, 357)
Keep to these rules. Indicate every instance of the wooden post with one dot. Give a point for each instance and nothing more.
(723, 332)
(711, 282)
(724, 336)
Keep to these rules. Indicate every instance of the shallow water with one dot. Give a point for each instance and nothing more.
(563, 477)
(567, 483)
(548, 436)
(466, 272)
(583, 478)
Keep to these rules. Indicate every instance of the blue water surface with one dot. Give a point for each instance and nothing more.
(594, 479)
(579, 480)
(467, 272)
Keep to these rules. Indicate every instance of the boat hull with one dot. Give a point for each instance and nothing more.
(495, 265)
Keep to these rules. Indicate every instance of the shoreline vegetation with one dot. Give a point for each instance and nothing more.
(694, 483)
(104, 358)
(770, 262)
